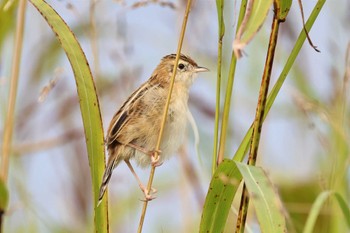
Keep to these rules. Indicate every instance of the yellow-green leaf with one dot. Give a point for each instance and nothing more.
(267, 204)
(89, 106)
(222, 190)
(253, 19)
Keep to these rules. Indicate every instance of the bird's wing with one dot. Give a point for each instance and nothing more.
(125, 113)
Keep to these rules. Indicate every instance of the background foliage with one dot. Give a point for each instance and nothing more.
(305, 141)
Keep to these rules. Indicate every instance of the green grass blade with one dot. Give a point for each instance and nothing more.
(266, 202)
(228, 95)
(243, 147)
(89, 105)
(254, 18)
(220, 8)
(222, 189)
(317, 207)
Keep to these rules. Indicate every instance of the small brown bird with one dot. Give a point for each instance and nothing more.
(134, 129)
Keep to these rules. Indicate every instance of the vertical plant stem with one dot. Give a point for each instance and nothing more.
(16, 60)
(259, 117)
(227, 104)
(9, 121)
(220, 8)
(227, 107)
(165, 112)
(244, 146)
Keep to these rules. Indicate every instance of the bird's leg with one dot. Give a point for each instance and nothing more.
(148, 195)
(155, 161)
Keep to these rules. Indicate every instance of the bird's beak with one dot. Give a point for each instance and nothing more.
(201, 69)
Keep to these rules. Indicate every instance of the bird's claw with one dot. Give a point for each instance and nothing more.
(152, 152)
(148, 195)
(155, 161)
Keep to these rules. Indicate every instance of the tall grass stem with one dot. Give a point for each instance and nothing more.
(165, 112)
(259, 119)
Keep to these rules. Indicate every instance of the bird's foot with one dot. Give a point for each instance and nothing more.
(148, 195)
(155, 160)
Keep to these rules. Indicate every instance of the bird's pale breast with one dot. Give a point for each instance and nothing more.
(175, 127)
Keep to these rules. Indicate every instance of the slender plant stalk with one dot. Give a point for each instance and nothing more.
(9, 122)
(165, 112)
(259, 118)
(220, 8)
(227, 107)
(8, 127)
(227, 104)
(243, 147)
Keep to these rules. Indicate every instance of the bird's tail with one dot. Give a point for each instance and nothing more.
(112, 163)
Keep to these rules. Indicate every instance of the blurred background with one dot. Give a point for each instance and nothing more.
(304, 146)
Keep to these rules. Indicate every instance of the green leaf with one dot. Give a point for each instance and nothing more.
(283, 7)
(243, 147)
(267, 204)
(89, 106)
(317, 207)
(252, 22)
(4, 196)
(222, 190)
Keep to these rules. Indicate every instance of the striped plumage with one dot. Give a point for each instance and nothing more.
(134, 129)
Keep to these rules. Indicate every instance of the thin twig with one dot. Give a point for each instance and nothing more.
(259, 118)
(229, 87)
(8, 127)
(165, 112)
(306, 32)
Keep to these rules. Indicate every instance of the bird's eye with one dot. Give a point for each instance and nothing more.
(181, 66)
